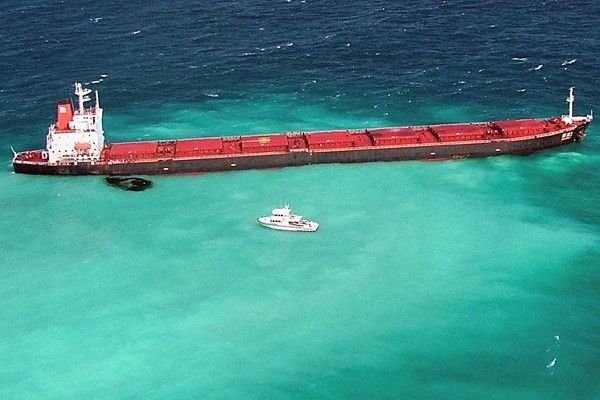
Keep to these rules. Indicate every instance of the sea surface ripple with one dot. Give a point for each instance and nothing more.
(457, 280)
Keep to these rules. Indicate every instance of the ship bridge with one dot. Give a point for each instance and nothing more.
(77, 136)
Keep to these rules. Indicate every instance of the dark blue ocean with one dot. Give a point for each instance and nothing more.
(472, 279)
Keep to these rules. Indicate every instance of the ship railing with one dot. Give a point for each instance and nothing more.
(87, 111)
(30, 155)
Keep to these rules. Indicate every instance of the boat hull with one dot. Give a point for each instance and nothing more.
(234, 162)
(310, 227)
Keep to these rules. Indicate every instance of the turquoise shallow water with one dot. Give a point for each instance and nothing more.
(414, 285)
(457, 280)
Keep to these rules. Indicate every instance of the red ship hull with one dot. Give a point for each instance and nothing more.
(441, 142)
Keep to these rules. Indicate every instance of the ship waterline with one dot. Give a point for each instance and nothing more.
(75, 145)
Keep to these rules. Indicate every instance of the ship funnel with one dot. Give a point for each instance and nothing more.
(64, 115)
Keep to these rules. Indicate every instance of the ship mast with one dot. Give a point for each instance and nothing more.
(82, 94)
(570, 118)
(570, 100)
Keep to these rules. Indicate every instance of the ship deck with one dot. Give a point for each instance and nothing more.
(327, 140)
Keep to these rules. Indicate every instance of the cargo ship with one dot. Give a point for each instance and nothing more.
(75, 145)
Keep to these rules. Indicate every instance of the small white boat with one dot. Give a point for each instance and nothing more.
(282, 219)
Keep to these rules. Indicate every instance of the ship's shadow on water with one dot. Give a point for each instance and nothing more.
(129, 183)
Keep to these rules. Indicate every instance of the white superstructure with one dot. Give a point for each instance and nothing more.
(282, 219)
(77, 136)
